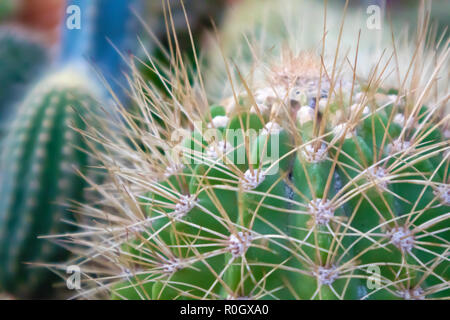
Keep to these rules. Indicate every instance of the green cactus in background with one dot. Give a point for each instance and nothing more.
(22, 61)
(40, 157)
(306, 182)
(44, 157)
(339, 208)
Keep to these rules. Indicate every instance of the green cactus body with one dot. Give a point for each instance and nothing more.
(40, 156)
(302, 184)
(288, 226)
(334, 208)
(23, 60)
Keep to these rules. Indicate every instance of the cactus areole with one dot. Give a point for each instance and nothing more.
(301, 187)
(306, 182)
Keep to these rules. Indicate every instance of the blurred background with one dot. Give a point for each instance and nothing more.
(33, 33)
(35, 40)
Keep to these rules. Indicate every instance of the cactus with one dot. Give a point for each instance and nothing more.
(307, 182)
(23, 59)
(312, 230)
(40, 156)
(44, 157)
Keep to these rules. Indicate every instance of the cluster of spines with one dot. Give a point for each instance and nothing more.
(310, 233)
(218, 229)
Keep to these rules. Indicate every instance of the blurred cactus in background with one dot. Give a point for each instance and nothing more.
(27, 47)
(251, 27)
(42, 160)
(251, 23)
(40, 150)
(43, 155)
(23, 60)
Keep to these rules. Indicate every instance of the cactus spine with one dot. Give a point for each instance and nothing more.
(302, 184)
